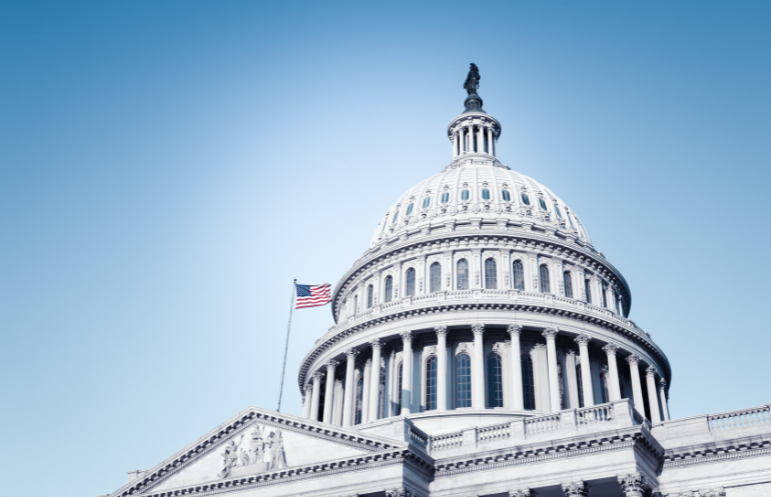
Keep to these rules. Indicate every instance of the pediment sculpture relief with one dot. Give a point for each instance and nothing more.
(263, 451)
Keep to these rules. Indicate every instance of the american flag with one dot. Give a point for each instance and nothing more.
(313, 295)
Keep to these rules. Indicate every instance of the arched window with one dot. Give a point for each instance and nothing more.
(543, 272)
(464, 195)
(463, 380)
(409, 209)
(359, 400)
(518, 275)
(431, 384)
(445, 197)
(604, 295)
(491, 274)
(557, 210)
(588, 290)
(570, 220)
(506, 195)
(542, 203)
(355, 304)
(426, 202)
(485, 194)
(528, 383)
(409, 287)
(435, 274)
(580, 386)
(525, 199)
(370, 296)
(568, 284)
(462, 275)
(396, 216)
(494, 380)
(389, 289)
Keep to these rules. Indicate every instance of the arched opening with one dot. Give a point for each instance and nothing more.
(491, 274)
(409, 287)
(463, 380)
(435, 274)
(518, 275)
(462, 275)
(370, 296)
(568, 284)
(389, 289)
(588, 290)
(494, 380)
(543, 273)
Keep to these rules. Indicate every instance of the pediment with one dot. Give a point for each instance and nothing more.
(253, 442)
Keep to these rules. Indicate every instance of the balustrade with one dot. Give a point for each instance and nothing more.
(739, 419)
(543, 424)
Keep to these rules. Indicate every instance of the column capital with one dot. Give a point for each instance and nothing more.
(633, 359)
(376, 343)
(351, 353)
(523, 492)
(576, 489)
(477, 328)
(514, 329)
(368, 363)
(583, 339)
(550, 333)
(332, 364)
(611, 348)
(441, 329)
(633, 483)
(650, 371)
(318, 375)
(309, 387)
(571, 352)
(399, 492)
(663, 383)
(406, 336)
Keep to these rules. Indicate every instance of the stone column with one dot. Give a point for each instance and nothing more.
(348, 407)
(478, 368)
(663, 395)
(394, 390)
(406, 372)
(576, 489)
(329, 394)
(441, 367)
(551, 357)
(454, 146)
(518, 402)
(653, 402)
(586, 369)
(308, 401)
(316, 393)
(614, 386)
(570, 365)
(633, 485)
(366, 375)
(460, 140)
(481, 140)
(374, 381)
(634, 369)
(490, 141)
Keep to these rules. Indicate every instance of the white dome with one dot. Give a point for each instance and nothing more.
(478, 192)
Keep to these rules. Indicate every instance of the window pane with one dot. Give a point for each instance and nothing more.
(557, 210)
(389, 289)
(525, 199)
(544, 276)
(445, 197)
(604, 295)
(370, 295)
(491, 274)
(436, 277)
(588, 290)
(395, 217)
(543, 204)
(462, 275)
(431, 384)
(426, 202)
(463, 384)
(464, 195)
(485, 194)
(528, 385)
(506, 196)
(409, 209)
(568, 285)
(494, 381)
(518, 275)
(409, 291)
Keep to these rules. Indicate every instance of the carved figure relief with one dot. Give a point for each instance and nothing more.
(264, 451)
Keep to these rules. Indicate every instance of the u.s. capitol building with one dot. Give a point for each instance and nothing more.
(482, 347)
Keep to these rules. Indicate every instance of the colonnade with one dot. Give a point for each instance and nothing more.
(403, 396)
(469, 138)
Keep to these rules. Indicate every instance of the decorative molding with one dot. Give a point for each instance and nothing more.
(399, 492)
(633, 360)
(376, 343)
(332, 364)
(406, 336)
(577, 488)
(524, 492)
(477, 328)
(651, 371)
(514, 329)
(351, 354)
(610, 349)
(583, 339)
(550, 333)
(633, 484)
(441, 329)
(663, 383)
(318, 375)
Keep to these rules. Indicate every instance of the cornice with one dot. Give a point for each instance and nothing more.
(330, 341)
(717, 451)
(531, 240)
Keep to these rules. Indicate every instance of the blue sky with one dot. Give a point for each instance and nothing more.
(167, 169)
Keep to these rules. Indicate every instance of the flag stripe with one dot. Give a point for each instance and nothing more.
(313, 295)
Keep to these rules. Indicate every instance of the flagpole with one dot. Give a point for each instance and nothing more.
(286, 345)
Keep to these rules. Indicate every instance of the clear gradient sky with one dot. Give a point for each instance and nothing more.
(167, 168)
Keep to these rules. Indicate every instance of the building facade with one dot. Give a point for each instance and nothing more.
(482, 347)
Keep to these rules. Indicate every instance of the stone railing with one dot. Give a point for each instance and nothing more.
(600, 417)
(742, 418)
